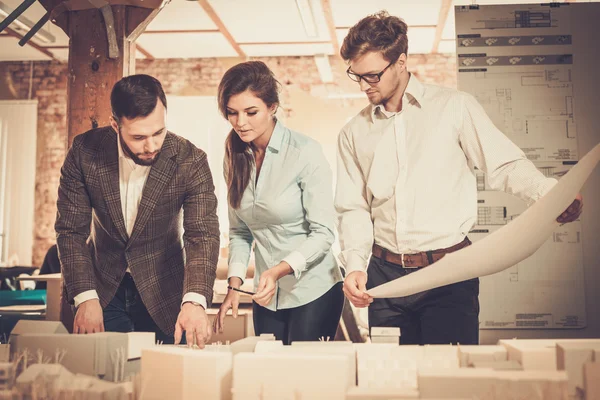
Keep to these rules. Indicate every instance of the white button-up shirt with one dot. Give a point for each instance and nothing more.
(132, 179)
(406, 179)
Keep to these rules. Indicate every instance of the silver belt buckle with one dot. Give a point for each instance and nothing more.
(403, 264)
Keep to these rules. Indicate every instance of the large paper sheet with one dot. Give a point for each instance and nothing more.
(505, 247)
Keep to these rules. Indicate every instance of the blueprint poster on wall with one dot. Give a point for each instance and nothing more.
(517, 60)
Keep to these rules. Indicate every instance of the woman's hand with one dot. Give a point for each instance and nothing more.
(232, 300)
(267, 283)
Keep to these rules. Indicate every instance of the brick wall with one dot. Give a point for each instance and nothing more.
(198, 77)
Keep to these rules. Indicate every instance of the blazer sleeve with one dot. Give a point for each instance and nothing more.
(73, 220)
(201, 229)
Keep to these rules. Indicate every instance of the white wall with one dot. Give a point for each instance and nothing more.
(197, 119)
(18, 137)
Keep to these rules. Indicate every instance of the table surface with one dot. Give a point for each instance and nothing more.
(47, 277)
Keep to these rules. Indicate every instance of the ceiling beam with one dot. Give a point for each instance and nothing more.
(221, 26)
(139, 18)
(285, 43)
(145, 52)
(410, 26)
(62, 19)
(442, 17)
(186, 31)
(326, 5)
(31, 43)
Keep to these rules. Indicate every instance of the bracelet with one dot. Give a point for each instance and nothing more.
(240, 290)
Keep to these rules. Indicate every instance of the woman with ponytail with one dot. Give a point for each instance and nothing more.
(280, 200)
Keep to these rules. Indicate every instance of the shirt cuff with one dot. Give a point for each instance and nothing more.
(297, 261)
(354, 262)
(543, 188)
(547, 186)
(196, 298)
(85, 296)
(237, 270)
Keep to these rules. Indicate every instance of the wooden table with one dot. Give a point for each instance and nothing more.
(53, 289)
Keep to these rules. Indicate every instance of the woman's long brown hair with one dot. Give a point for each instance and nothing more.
(256, 77)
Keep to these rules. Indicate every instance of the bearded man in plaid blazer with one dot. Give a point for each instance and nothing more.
(137, 230)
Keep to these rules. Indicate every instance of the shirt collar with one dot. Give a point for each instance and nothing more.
(276, 138)
(413, 92)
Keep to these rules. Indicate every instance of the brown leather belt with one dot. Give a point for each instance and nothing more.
(416, 260)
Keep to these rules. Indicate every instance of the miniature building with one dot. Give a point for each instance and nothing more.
(571, 357)
(385, 335)
(4, 352)
(359, 393)
(30, 326)
(591, 380)
(247, 345)
(469, 355)
(7, 376)
(170, 372)
(93, 354)
(280, 376)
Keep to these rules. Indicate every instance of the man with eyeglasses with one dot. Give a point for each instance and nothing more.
(406, 191)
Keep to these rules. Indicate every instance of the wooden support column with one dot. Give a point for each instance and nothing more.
(91, 73)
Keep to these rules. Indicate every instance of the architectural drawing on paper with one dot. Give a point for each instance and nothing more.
(518, 61)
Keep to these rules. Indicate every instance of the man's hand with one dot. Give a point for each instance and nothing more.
(232, 300)
(89, 317)
(355, 288)
(572, 212)
(267, 283)
(193, 320)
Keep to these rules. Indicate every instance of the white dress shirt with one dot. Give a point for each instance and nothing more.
(406, 180)
(132, 179)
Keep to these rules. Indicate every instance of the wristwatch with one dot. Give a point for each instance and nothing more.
(192, 302)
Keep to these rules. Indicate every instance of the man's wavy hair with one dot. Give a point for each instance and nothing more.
(379, 32)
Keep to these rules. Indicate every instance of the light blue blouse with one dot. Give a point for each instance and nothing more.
(289, 216)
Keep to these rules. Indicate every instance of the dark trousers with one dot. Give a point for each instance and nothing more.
(310, 322)
(127, 313)
(444, 315)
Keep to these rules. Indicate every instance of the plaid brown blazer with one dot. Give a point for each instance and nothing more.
(174, 245)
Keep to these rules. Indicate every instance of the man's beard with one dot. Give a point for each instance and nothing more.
(134, 157)
(381, 100)
(377, 100)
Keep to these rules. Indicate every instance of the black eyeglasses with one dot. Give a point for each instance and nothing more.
(369, 78)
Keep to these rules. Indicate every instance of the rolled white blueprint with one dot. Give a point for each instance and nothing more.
(504, 248)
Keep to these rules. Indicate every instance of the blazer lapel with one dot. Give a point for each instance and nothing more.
(109, 180)
(160, 175)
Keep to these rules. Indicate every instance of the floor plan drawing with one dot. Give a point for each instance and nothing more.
(518, 61)
(522, 79)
